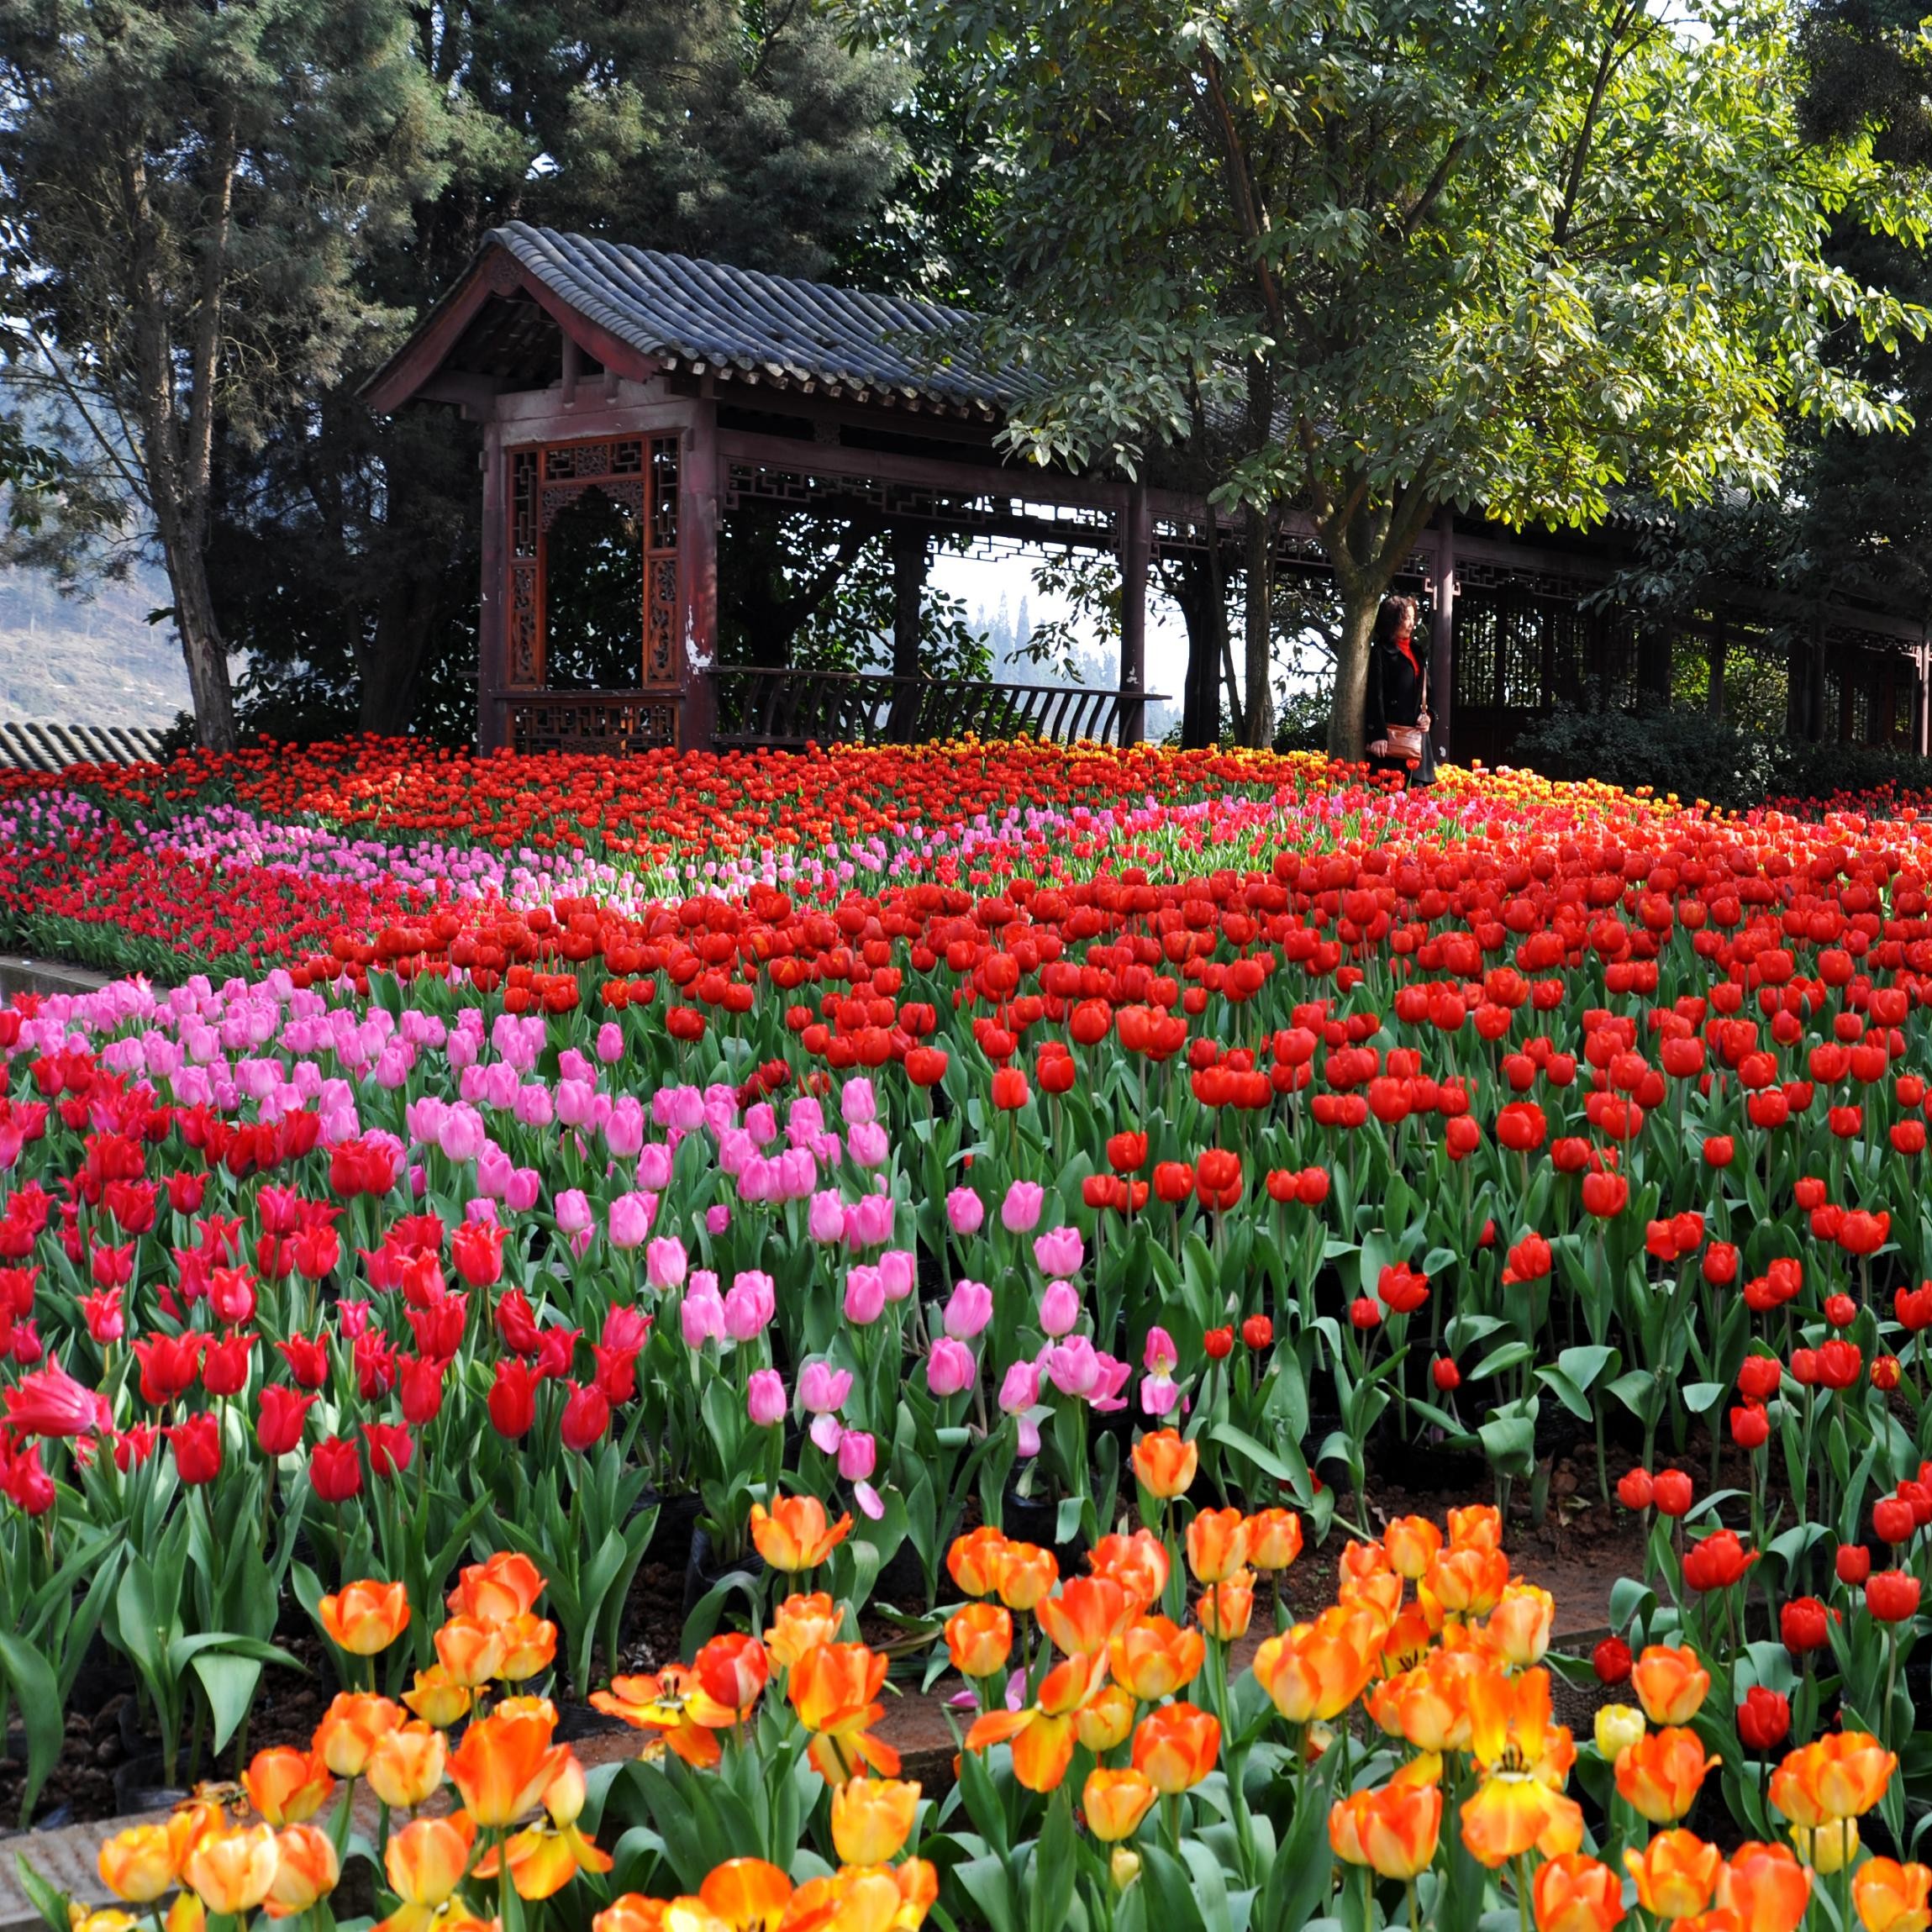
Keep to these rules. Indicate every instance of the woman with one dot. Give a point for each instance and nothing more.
(1397, 688)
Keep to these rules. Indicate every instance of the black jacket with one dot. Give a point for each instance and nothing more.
(1394, 695)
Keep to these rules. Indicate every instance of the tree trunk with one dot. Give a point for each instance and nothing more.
(202, 648)
(1362, 598)
(389, 665)
(1258, 708)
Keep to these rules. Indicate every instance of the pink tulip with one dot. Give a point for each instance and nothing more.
(750, 1306)
(899, 1269)
(1059, 1308)
(1020, 1390)
(968, 1309)
(610, 1042)
(822, 1388)
(665, 1262)
(574, 1216)
(869, 1221)
(857, 1105)
(858, 1455)
(1059, 1251)
(702, 1318)
(951, 1369)
(825, 1218)
(868, 1144)
(1019, 1212)
(965, 1212)
(764, 1397)
(654, 1167)
(717, 1218)
(630, 1218)
(865, 1295)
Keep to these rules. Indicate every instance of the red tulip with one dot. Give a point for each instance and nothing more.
(1764, 1719)
(1672, 1491)
(280, 1416)
(334, 1469)
(1801, 1623)
(1892, 1595)
(586, 1417)
(1612, 1661)
(1854, 1563)
(513, 1400)
(196, 1445)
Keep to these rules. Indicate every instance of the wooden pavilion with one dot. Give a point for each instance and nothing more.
(630, 399)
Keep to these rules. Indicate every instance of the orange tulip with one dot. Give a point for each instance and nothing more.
(872, 1818)
(470, 1651)
(1675, 1873)
(437, 1698)
(230, 1871)
(1407, 1641)
(141, 1864)
(495, 1592)
(979, 1640)
(1766, 1886)
(1164, 1466)
(1274, 1539)
(1659, 1776)
(1468, 1581)
(425, 1862)
(1155, 1657)
(1106, 1719)
(633, 1912)
(366, 1617)
(1345, 1828)
(1114, 1803)
(1138, 1563)
(1828, 1848)
(1670, 1683)
(794, 1534)
(1430, 1705)
(748, 1894)
(1573, 1893)
(407, 1765)
(502, 1766)
(350, 1728)
(1042, 1735)
(672, 1703)
(801, 1623)
(529, 1647)
(1175, 1747)
(1216, 1544)
(973, 1560)
(1399, 1826)
(1224, 1609)
(1085, 1615)
(1380, 1594)
(1318, 1670)
(1890, 1897)
(287, 1786)
(1520, 1626)
(1478, 1527)
(1359, 1560)
(1411, 1544)
(306, 1869)
(833, 1690)
(732, 1671)
(1510, 1812)
(1026, 1573)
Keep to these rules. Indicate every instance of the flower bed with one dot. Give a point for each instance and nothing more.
(583, 1149)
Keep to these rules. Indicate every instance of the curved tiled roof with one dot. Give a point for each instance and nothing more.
(707, 315)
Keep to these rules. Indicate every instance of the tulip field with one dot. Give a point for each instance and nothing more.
(990, 1224)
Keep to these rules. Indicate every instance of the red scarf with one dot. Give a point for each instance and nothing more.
(1402, 644)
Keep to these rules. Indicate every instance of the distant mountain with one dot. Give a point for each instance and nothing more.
(93, 662)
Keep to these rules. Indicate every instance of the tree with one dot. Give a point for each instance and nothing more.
(724, 127)
(193, 186)
(1421, 253)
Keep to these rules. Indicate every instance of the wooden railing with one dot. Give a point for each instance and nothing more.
(593, 721)
(786, 709)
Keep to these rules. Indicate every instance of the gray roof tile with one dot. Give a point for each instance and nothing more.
(708, 313)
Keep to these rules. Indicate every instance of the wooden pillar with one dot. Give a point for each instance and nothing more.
(698, 552)
(1714, 695)
(1136, 548)
(1922, 710)
(492, 665)
(911, 555)
(1442, 639)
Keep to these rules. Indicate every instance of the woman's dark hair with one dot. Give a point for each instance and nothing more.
(1388, 620)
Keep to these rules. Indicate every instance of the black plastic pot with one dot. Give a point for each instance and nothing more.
(670, 1544)
(1033, 1520)
(702, 1571)
(138, 1786)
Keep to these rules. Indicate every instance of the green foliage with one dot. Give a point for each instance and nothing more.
(1507, 255)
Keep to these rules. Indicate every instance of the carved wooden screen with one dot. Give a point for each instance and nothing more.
(638, 473)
